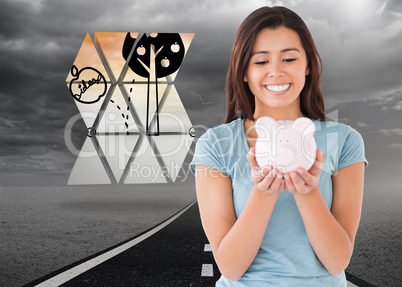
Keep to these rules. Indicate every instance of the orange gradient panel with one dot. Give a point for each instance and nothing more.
(88, 57)
(110, 45)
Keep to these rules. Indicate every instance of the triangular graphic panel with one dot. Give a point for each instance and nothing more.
(117, 117)
(173, 149)
(142, 63)
(138, 96)
(117, 150)
(138, 128)
(88, 168)
(169, 49)
(89, 112)
(173, 116)
(145, 167)
(109, 45)
(88, 57)
(186, 38)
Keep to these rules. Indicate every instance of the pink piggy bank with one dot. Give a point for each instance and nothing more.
(285, 145)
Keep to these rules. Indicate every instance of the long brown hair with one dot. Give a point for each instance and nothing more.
(240, 100)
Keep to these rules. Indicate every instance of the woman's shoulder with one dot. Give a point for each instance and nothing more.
(218, 146)
(341, 141)
(225, 129)
(341, 129)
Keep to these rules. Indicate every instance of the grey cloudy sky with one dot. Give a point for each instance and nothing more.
(360, 43)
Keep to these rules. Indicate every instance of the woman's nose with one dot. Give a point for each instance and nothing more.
(275, 69)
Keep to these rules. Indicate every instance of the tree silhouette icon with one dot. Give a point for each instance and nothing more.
(155, 56)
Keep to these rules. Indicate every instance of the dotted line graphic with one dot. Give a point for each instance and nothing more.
(125, 116)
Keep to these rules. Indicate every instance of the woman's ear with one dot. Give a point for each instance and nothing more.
(307, 71)
(245, 78)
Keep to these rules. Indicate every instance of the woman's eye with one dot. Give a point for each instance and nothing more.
(261, 62)
(289, 60)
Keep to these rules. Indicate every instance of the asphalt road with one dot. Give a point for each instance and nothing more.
(174, 253)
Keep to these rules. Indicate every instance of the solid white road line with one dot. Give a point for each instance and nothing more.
(85, 266)
(351, 284)
(207, 270)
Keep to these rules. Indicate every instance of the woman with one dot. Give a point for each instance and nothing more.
(267, 228)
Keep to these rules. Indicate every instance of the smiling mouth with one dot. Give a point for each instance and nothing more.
(277, 88)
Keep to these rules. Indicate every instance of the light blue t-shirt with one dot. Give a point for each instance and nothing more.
(286, 257)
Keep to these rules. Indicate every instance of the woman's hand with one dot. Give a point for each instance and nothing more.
(267, 179)
(303, 181)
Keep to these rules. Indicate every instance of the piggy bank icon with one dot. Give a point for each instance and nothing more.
(285, 145)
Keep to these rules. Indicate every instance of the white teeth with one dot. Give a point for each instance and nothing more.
(278, 88)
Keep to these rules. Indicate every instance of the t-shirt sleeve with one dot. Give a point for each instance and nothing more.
(207, 153)
(352, 150)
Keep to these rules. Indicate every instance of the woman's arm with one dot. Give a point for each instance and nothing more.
(235, 242)
(332, 232)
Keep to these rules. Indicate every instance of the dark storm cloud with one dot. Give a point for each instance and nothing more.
(359, 42)
(39, 41)
(202, 88)
(378, 121)
(393, 6)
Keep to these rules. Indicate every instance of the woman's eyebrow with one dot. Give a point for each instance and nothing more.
(282, 51)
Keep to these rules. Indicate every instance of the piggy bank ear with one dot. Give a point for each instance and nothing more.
(263, 126)
(305, 125)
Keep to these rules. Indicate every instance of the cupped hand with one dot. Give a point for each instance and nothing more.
(304, 181)
(267, 179)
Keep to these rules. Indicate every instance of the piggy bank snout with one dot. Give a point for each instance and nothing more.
(285, 155)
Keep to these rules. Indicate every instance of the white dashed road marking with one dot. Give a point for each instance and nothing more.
(207, 270)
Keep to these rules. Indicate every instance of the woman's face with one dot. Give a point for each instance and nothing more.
(276, 72)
